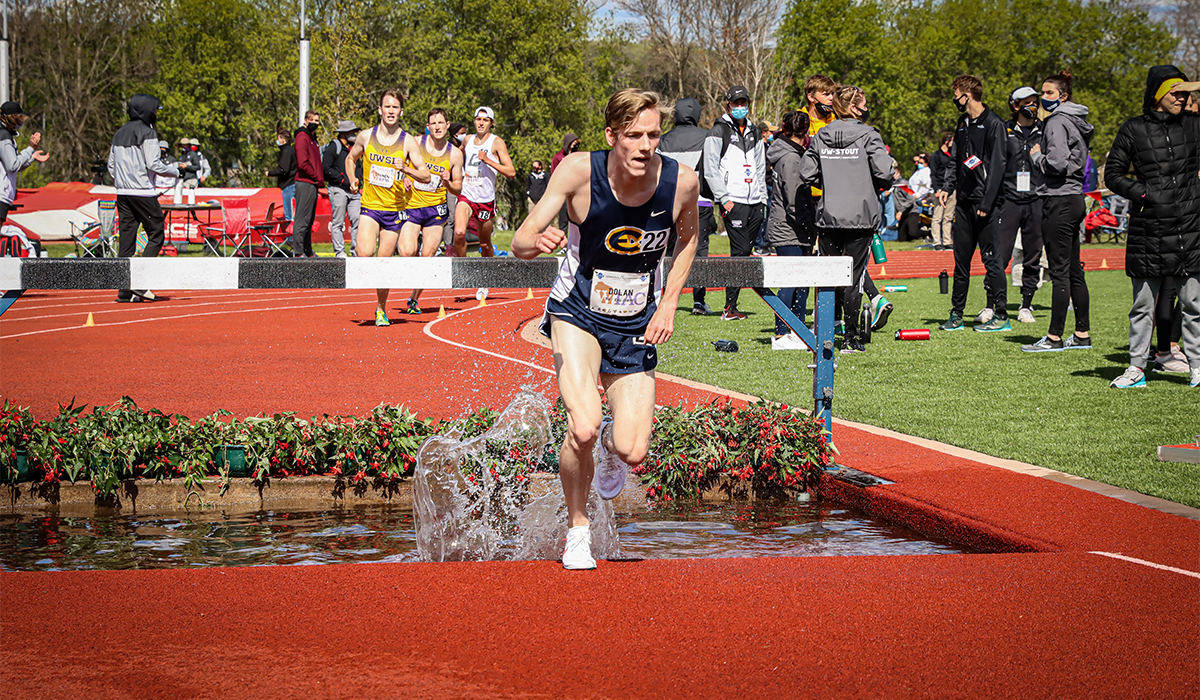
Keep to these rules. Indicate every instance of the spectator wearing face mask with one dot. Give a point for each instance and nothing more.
(165, 181)
(205, 169)
(791, 226)
(12, 117)
(189, 163)
(285, 170)
(1062, 157)
(909, 212)
(1024, 199)
(310, 176)
(980, 152)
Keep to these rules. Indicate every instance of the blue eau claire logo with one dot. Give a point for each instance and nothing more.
(631, 240)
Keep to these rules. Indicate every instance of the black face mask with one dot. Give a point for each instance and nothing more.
(864, 115)
(962, 106)
(311, 128)
(824, 110)
(1029, 112)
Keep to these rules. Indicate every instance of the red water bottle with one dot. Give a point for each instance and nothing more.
(913, 334)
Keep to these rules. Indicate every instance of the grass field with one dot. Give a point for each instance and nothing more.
(976, 390)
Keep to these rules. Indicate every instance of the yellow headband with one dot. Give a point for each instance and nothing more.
(1166, 87)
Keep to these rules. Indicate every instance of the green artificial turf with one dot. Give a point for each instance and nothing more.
(975, 390)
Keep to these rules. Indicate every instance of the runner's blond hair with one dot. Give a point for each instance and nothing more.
(624, 107)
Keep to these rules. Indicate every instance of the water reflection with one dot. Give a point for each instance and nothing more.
(387, 534)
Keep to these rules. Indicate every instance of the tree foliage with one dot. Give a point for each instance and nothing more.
(906, 53)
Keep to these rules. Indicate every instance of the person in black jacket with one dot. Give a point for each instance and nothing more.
(341, 200)
(685, 143)
(285, 171)
(980, 150)
(1024, 196)
(535, 184)
(940, 166)
(1063, 158)
(1154, 163)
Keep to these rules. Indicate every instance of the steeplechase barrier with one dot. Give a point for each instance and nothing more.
(760, 274)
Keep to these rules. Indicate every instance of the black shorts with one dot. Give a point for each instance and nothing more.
(619, 353)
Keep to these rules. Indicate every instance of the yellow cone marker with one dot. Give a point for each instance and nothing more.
(882, 271)
(483, 301)
(441, 311)
(90, 322)
(529, 293)
(1103, 263)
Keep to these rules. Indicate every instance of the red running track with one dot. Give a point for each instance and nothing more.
(1048, 619)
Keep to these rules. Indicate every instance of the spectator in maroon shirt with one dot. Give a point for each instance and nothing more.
(310, 176)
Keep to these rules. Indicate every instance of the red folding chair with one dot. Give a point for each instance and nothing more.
(274, 233)
(234, 230)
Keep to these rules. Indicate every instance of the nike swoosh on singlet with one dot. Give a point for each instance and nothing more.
(658, 213)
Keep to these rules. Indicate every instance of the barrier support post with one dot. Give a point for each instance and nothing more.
(9, 297)
(819, 339)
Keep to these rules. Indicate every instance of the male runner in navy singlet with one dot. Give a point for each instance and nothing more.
(610, 305)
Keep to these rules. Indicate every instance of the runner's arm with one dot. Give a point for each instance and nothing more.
(687, 224)
(454, 184)
(356, 151)
(535, 235)
(412, 153)
(505, 166)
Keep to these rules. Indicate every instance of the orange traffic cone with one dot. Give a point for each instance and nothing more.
(1104, 263)
(529, 293)
(882, 271)
(441, 311)
(90, 322)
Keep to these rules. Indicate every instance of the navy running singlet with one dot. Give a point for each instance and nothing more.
(611, 276)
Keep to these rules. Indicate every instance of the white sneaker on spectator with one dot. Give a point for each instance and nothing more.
(1167, 362)
(985, 315)
(1025, 315)
(577, 554)
(1195, 380)
(1178, 354)
(791, 341)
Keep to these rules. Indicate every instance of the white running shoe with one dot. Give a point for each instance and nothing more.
(1167, 362)
(1025, 315)
(985, 316)
(1195, 378)
(577, 555)
(791, 341)
(610, 469)
(481, 294)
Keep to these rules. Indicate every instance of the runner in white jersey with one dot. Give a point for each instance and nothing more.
(610, 307)
(485, 155)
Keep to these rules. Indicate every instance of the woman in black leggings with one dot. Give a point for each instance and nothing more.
(1062, 159)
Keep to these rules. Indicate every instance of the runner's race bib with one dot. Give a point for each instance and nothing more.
(1022, 181)
(435, 181)
(443, 210)
(972, 162)
(471, 170)
(619, 293)
(382, 176)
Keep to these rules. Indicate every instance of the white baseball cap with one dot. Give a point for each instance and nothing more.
(1021, 93)
(487, 112)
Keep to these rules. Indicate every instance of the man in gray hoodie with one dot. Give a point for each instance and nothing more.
(133, 157)
(685, 143)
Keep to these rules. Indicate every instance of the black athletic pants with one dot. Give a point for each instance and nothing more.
(741, 225)
(131, 212)
(306, 214)
(910, 225)
(973, 231)
(708, 227)
(1060, 227)
(855, 242)
(1026, 216)
(1168, 315)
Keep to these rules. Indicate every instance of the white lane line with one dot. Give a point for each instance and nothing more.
(151, 307)
(428, 330)
(1151, 564)
(107, 300)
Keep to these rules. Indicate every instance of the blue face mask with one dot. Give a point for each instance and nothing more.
(920, 166)
(1050, 105)
(739, 112)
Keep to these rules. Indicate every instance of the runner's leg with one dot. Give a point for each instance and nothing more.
(431, 240)
(407, 241)
(387, 246)
(485, 238)
(631, 398)
(368, 237)
(462, 218)
(577, 363)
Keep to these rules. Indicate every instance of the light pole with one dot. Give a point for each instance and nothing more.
(4, 56)
(303, 63)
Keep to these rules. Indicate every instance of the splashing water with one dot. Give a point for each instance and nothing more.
(474, 500)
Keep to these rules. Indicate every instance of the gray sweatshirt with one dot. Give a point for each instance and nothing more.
(134, 154)
(791, 219)
(11, 163)
(847, 160)
(1065, 149)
